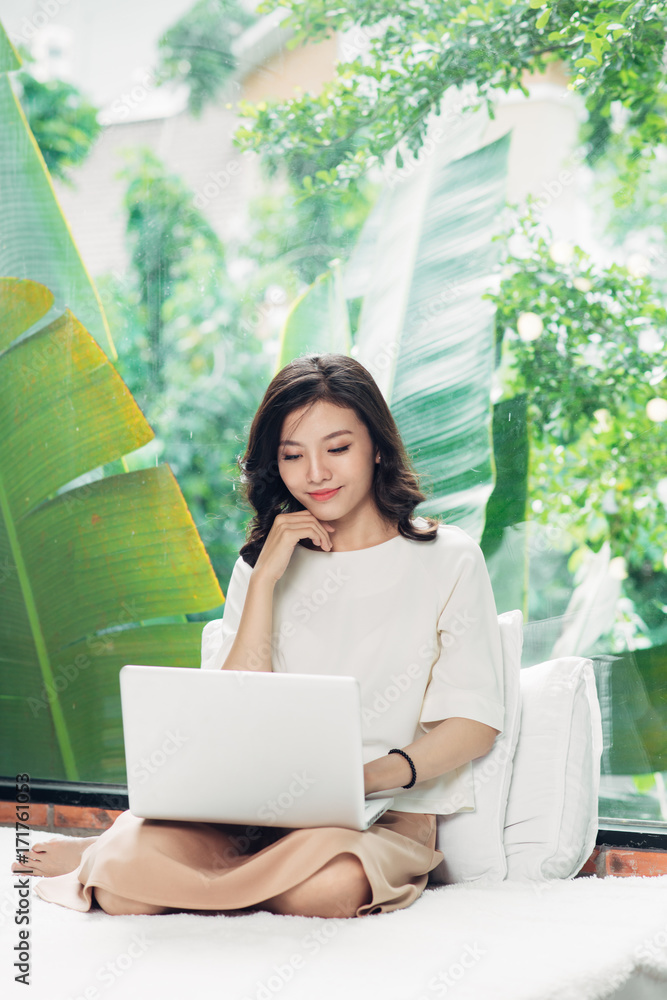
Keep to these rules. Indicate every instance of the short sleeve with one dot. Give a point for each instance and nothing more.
(467, 678)
(218, 635)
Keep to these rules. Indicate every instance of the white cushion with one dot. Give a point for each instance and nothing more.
(551, 820)
(472, 842)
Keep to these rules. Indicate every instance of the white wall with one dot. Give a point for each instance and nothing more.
(112, 45)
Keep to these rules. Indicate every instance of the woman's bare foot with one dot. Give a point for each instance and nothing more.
(53, 857)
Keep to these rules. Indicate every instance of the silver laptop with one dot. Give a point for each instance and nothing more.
(240, 746)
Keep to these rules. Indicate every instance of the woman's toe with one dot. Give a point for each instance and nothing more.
(27, 862)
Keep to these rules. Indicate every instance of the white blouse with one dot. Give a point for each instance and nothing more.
(415, 622)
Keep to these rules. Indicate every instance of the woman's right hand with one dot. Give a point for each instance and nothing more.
(284, 535)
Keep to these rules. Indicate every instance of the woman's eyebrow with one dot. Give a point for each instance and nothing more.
(325, 438)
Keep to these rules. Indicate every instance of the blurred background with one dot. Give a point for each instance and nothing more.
(469, 199)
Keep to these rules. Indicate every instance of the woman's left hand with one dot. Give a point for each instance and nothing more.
(367, 781)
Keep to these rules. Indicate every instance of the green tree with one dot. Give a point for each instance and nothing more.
(306, 234)
(212, 365)
(290, 235)
(163, 224)
(613, 52)
(62, 121)
(584, 344)
(197, 49)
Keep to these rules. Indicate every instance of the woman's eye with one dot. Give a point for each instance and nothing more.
(333, 450)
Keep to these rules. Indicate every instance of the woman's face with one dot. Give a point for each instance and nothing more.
(327, 448)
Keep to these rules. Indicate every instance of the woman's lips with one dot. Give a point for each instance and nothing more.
(324, 496)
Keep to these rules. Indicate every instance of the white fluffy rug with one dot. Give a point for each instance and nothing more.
(582, 939)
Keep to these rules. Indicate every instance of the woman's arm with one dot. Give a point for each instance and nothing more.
(251, 649)
(450, 744)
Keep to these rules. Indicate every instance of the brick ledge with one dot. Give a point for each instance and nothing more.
(71, 820)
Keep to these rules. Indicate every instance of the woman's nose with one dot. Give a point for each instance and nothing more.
(317, 469)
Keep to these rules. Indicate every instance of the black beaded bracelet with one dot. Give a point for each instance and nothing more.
(414, 769)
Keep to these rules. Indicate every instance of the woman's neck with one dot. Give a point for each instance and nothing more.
(356, 538)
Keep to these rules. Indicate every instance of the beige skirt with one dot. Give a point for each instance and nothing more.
(226, 866)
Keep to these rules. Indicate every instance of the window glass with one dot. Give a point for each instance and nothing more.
(191, 191)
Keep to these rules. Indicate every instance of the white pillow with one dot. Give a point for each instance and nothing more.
(551, 821)
(472, 842)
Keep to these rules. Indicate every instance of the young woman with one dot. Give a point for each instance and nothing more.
(335, 577)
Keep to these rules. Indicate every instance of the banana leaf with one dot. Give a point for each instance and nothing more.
(36, 240)
(426, 334)
(504, 538)
(318, 320)
(86, 572)
(422, 263)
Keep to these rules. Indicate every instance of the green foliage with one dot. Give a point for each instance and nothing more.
(317, 322)
(62, 121)
(214, 371)
(424, 333)
(197, 49)
(295, 240)
(617, 213)
(633, 86)
(591, 359)
(507, 503)
(163, 225)
(32, 220)
(417, 51)
(307, 233)
(82, 555)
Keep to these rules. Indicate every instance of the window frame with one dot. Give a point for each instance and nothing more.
(612, 831)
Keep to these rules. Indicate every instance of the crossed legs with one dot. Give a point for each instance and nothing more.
(334, 890)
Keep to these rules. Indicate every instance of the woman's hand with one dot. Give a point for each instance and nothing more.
(368, 786)
(386, 774)
(284, 535)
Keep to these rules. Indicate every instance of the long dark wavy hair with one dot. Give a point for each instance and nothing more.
(337, 379)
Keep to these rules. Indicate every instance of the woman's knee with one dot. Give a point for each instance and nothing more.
(116, 905)
(336, 889)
